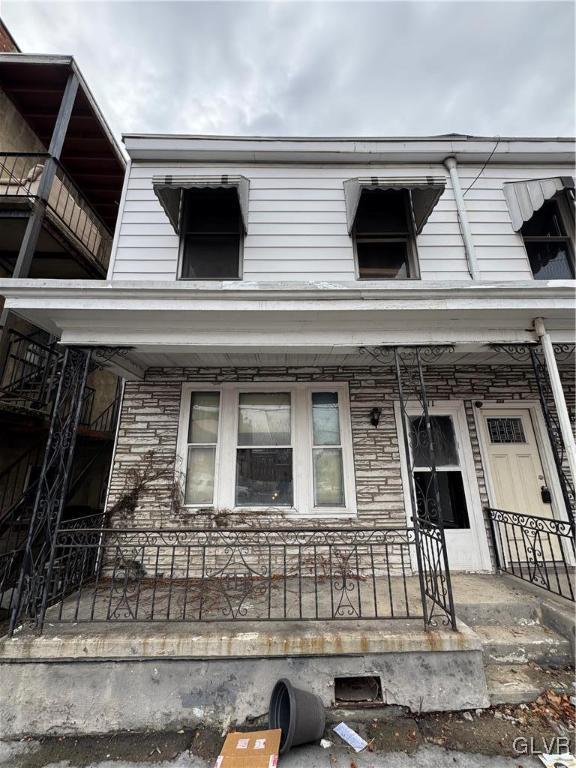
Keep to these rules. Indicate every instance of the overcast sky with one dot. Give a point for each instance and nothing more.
(323, 68)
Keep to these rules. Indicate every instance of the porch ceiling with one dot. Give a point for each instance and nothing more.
(300, 323)
(463, 355)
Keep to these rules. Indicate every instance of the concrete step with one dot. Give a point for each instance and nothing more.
(522, 683)
(520, 644)
(521, 612)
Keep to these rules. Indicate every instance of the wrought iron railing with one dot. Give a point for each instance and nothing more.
(18, 476)
(30, 374)
(538, 550)
(20, 174)
(88, 399)
(419, 438)
(133, 575)
(10, 564)
(106, 420)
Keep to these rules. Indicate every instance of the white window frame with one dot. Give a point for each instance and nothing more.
(302, 445)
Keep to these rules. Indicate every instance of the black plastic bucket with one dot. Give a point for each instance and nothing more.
(298, 713)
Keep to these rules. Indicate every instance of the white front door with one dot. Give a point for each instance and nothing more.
(518, 480)
(515, 465)
(464, 527)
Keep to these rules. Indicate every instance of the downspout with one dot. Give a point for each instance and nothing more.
(558, 393)
(450, 164)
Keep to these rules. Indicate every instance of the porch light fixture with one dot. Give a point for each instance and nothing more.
(375, 414)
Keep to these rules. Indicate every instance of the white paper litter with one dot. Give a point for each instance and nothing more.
(558, 761)
(351, 737)
(324, 743)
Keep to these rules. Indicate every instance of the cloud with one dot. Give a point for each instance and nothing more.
(342, 68)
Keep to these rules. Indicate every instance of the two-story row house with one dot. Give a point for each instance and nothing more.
(350, 359)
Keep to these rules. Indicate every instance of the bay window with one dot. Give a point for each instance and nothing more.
(267, 446)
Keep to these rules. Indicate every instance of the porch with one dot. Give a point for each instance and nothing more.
(155, 673)
(422, 504)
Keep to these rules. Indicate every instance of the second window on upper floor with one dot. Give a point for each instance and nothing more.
(549, 240)
(211, 235)
(383, 234)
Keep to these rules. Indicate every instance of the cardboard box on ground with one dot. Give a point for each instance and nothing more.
(258, 749)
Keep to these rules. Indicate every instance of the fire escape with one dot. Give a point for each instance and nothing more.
(57, 214)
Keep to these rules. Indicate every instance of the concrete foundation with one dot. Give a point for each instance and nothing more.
(96, 697)
(118, 680)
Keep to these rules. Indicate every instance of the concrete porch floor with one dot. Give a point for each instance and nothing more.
(99, 677)
(68, 632)
(474, 594)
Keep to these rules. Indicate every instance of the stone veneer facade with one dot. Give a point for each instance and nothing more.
(150, 416)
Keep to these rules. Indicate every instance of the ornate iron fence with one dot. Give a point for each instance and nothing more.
(539, 550)
(134, 575)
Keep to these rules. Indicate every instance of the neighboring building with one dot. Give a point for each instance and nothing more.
(61, 175)
(347, 363)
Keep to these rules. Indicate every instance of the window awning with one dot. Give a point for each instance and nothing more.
(425, 192)
(169, 190)
(524, 198)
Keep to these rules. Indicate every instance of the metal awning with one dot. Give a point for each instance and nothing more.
(425, 191)
(169, 190)
(524, 198)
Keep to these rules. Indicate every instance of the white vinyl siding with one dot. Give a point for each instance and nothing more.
(500, 251)
(297, 223)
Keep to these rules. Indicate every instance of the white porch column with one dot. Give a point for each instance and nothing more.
(558, 393)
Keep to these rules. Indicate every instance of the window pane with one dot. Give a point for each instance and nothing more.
(328, 477)
(506, 430)
(215, 256)
(381, 211)
(382, 260)
(264, 477)
(200, 475)
(204, 409)
(264, 418)
(212, 210)
(550, 261)
(445, 446)
(325, 418)
(545, 222)
(452, 497)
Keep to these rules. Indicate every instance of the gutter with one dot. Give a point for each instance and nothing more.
(80, 290)
(452, 167)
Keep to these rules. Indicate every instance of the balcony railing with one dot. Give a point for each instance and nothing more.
(20, 174)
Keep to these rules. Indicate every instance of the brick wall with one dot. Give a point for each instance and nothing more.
(7, 42)
(150, 413)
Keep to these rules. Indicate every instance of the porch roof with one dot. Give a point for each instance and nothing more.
(223, 323)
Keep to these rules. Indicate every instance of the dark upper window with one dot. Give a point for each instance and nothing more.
(211, 234)
(548, 243)
(384, 235)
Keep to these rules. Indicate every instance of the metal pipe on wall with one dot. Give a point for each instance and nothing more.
(451, 165)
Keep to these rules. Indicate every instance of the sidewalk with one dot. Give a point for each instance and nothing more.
(305, 757)
(499, 737)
